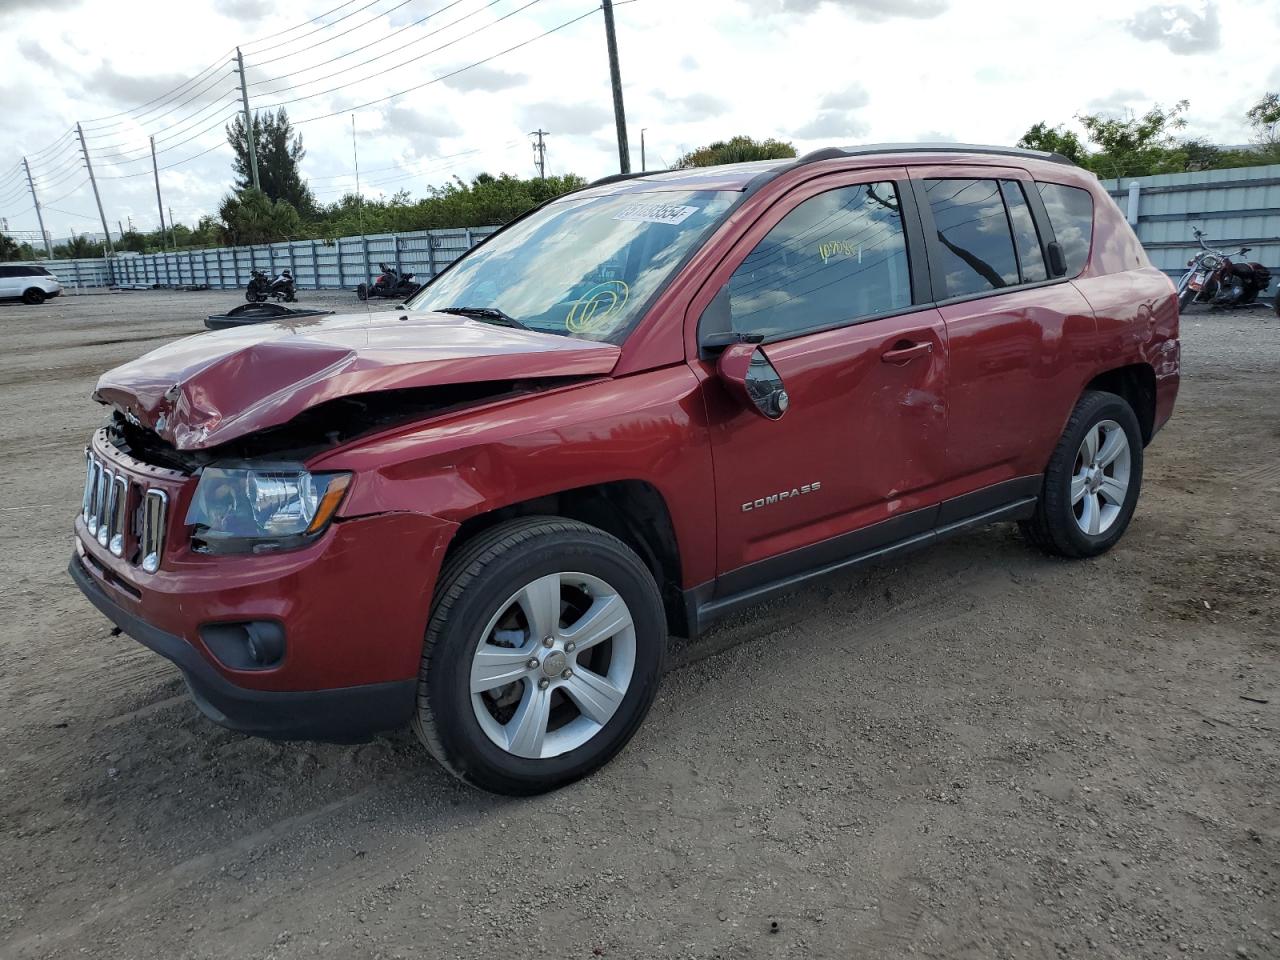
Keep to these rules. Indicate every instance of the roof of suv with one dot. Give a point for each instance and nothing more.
(740, 176)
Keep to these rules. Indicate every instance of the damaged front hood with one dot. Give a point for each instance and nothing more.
(204, 390)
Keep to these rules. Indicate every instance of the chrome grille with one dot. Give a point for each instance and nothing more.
(155, 506)
(110, 500)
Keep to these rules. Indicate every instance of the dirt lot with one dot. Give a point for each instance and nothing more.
(977, 753)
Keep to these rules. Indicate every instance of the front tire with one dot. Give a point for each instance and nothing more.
(542, 656)
(1184, 299)
(34, 296)
(1093, 481)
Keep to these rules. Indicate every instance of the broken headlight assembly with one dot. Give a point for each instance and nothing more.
(262, 509)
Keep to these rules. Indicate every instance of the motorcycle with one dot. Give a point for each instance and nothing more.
(392, 285)
(261, 288)
(1212, 277)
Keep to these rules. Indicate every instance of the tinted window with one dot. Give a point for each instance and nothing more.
(1025, 237)
(836, 257)
(1071, 213)
(9, 272)
(973, 233)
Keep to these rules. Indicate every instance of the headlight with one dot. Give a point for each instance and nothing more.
(259, 510)
(1209, 262)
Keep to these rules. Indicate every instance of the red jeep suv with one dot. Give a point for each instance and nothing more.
(631, 411)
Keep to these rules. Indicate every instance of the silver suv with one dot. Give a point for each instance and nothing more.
(32, 283)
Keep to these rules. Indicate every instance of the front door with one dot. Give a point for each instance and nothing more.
(824, 277)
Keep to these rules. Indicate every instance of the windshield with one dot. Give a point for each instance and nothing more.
(582, 266)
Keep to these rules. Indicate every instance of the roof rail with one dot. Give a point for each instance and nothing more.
(619, 177)
(862, 150)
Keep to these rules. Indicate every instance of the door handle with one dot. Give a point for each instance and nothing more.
(904, 351)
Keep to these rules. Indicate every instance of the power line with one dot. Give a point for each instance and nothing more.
(222, 105)
(169, 166)
(445, 76)
(323, 63)
(55, 145)
(298, 26)
(403, 63)
(67, 194)
(170, 123)
(326, 26)
(166, 97)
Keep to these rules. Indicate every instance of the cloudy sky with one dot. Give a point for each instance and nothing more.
(815, 72)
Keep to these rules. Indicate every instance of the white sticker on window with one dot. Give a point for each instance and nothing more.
(672, 213)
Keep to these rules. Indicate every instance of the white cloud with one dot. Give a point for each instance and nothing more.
(1180, 28)
(837, 117)
(819, 71)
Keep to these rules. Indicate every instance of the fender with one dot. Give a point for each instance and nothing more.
(649, 427)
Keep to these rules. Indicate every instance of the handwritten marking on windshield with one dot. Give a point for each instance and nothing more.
(597, 306)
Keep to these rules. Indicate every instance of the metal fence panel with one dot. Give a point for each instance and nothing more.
(1237, 207)
(316, 264)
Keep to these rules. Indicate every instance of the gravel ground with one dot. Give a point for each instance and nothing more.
(979, 753)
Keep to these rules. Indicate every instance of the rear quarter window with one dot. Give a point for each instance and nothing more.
(1070, 211)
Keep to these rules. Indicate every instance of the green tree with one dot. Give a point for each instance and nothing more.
(1057, 139)
(279, 151)
(250, 216)
(1264, 117)
(132, 240)
(487, 199)
(738, 149)
(1134, 146)
(10, 249)
(79, 246)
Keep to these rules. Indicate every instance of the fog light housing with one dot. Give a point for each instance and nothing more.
(248, 645)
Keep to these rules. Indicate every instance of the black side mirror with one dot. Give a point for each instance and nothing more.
(749, 376)
(1057, 260)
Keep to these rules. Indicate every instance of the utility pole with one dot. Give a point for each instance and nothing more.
(248, 123)
(643, 168)
(540, 152)
(155, 171)
(615, 77)
(48, 247)
(94, 183)
(120, 224)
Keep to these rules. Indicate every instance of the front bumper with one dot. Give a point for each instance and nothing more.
(345, 714)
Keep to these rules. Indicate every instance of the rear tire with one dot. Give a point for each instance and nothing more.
(586, 660)
(362, 292)
(33, 296)
(1093, 481)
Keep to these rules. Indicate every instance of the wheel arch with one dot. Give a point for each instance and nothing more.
(1136, 383)
(634, 511)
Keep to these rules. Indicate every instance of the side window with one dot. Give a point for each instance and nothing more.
(1025, 237)
(973, 232)
(1071, 213)
(8, 271)
(835, 258)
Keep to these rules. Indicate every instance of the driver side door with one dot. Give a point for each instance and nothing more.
(831, 281)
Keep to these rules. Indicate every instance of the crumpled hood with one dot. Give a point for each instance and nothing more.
(205, 390)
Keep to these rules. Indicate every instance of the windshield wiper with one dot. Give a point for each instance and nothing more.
(487, 315)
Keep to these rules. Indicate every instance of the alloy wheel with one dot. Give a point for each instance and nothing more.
(1100, 478)
(553, 665)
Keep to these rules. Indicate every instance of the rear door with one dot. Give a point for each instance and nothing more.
(825, 277)
(9, 284)
(1019, 338)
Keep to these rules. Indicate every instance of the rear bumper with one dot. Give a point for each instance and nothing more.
(344, 714)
